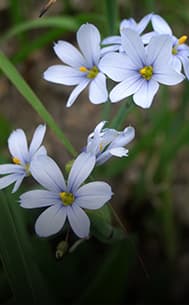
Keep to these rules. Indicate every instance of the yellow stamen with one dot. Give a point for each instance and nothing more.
(67, 198)
(146, 72)
(182, 39)
(83, 69)
(91, 73)
(101, 147)
(174, 51)
(16, 161)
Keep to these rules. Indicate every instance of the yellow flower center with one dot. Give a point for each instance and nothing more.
(67, 198)
(91, 73)
(146, 72)
(16, 161)
(101, 147)
(181, 41)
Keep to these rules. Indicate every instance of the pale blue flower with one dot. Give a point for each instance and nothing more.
(65, 200)
(22, 156)
(105, 143)
(82, 67)
(180, 51)
(115, 41)
(141, 69)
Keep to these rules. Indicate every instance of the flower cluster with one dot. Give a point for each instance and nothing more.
(65, 199)
(139, 62)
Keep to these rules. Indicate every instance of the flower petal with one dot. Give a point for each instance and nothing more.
(61, 74)
(42, 151)
(159, 50)
(185, 62)
(8, 180)
(18, 182)
(160, 25)
(126, 88)
(79, 221)
(76, 92)
(82, 167)
(51, 221)
(112, 40)
(176, 63)
(117, 66)
(68, 54)
(97, 89)
(37, 138)
(144, 96)
(93, 195)
(88, 38)
(11, 168)
(18, 147)
(133, 46)
(38, 198)
(119, 151)
(47, 173)
(168, 76)
(123, 138)
(143, 23)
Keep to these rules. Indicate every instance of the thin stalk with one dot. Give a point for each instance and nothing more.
(112, 15)
(122, 113)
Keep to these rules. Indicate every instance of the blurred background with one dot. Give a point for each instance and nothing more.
(151, 186)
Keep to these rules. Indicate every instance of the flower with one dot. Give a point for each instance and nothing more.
(180, 51)
(82, 67)
(141, 69)
(65, 200)
(105, 143)
(21, 156)
(116, 40)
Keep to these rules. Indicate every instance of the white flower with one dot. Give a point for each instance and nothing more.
(141, 69)
(180, 51)
(105, 143)
(21, 156)
(115, 42)
(65, 200)
(81, 67)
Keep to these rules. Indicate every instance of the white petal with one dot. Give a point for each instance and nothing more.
(42, 151)
(160, 25)
(126, 88)
(109, 49)
(102, 158)
(38, 198)
(133, 46)
(11, 168)
(93, 195)
(168, 76)
(79, 221)
(88, 38)
(185, 62)
(123, 138)
(18, 147)
(117, 66)
(61, 74)
(69, 54)
(18, 183)
(51, 221)
(82, 167)
(37, 138)
(143, 23)
(47, 173)
(119, 151)
(97, 89)
(176, 63)
(147, 37)
(111, 40)
(159, 50)
(144, 96)
(76, 92)
(8, 180)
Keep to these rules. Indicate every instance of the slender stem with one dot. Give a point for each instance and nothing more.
(112, 14)
(106, 111)
(122, 113)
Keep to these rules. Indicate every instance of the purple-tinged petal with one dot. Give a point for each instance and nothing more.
(79, 221)
(51, 221)
(144, 96)
(37, 139)
(123, 138)
(176, 63)
(109, 49)
(112, 40)
(147, 37)
(97, 89)
(88, 38)
(18, 183)
(126, 88)
(18, 147)
(39, 198)
(93, 195)
(143, 23)
(81, 169)
(47, 173)
(68, 54)
(65, 75)
(168, 76)
(11, 168)
(160, 25)
(42, 151)
(119, 151)
(8, 180)
(76, 92)
(159, 50)
(185, 62)
(133, 46)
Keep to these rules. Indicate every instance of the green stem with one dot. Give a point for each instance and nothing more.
(15, 77)
(122, 113)
(106, 111)
(112, 15)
